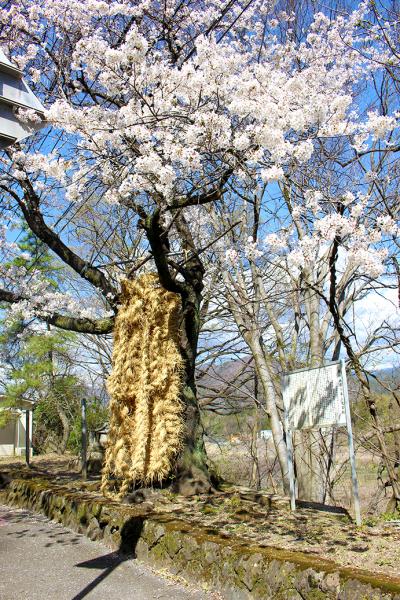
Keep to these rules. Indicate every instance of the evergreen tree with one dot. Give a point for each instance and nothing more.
(37, 366)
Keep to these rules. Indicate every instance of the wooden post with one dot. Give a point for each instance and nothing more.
(18, 425)
(84, 439)
(27, 440)
(352, 455)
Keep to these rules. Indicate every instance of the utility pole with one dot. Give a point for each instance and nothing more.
(84, 439)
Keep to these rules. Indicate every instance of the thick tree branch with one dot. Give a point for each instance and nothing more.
(203, 198)
(81, 325)
(362, 439)
(159, 245)
(77, 324)
(30, 208)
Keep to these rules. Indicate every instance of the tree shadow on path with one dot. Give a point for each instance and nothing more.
(130, 534)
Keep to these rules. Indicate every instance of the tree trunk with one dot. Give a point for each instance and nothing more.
(255, 477)
(309, 471)
(192, 475)
(65, 428)
(394, 503)
(309, 449)
(60, 411)
(264, 376)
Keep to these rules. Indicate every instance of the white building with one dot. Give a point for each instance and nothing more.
(265, 434)
(15, 94)
(13, 434)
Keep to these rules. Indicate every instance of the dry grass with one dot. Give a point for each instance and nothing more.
(233, 462)
(146, 412)
(52, 464)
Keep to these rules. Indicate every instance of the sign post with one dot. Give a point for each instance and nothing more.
(289, 443)
(315, 398)
(352, 456)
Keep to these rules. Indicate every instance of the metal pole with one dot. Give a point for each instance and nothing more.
(352, 455)
(84, 439)
(27, 440)
(291, 470)
(289, 446)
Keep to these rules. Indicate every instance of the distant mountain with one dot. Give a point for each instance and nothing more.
(226, 387)
(389, 376)
(229, 386)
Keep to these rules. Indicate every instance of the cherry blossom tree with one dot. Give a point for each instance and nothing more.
(297, 267)
(155, 111)
(285, 312)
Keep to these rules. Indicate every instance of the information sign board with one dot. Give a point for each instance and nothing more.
(317, 398)
(314, 398)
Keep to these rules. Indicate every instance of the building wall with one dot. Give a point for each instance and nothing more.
(12, 436)
(7, 439)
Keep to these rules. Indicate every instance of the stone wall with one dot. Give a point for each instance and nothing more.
(214, 561)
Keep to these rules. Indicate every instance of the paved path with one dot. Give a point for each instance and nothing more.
(41, 560)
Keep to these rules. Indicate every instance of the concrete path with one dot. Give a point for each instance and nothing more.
(41, 560)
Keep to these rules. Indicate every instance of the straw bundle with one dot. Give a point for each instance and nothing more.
(146, 420)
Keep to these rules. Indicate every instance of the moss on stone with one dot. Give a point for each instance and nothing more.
(172, 542)
(225, 563)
